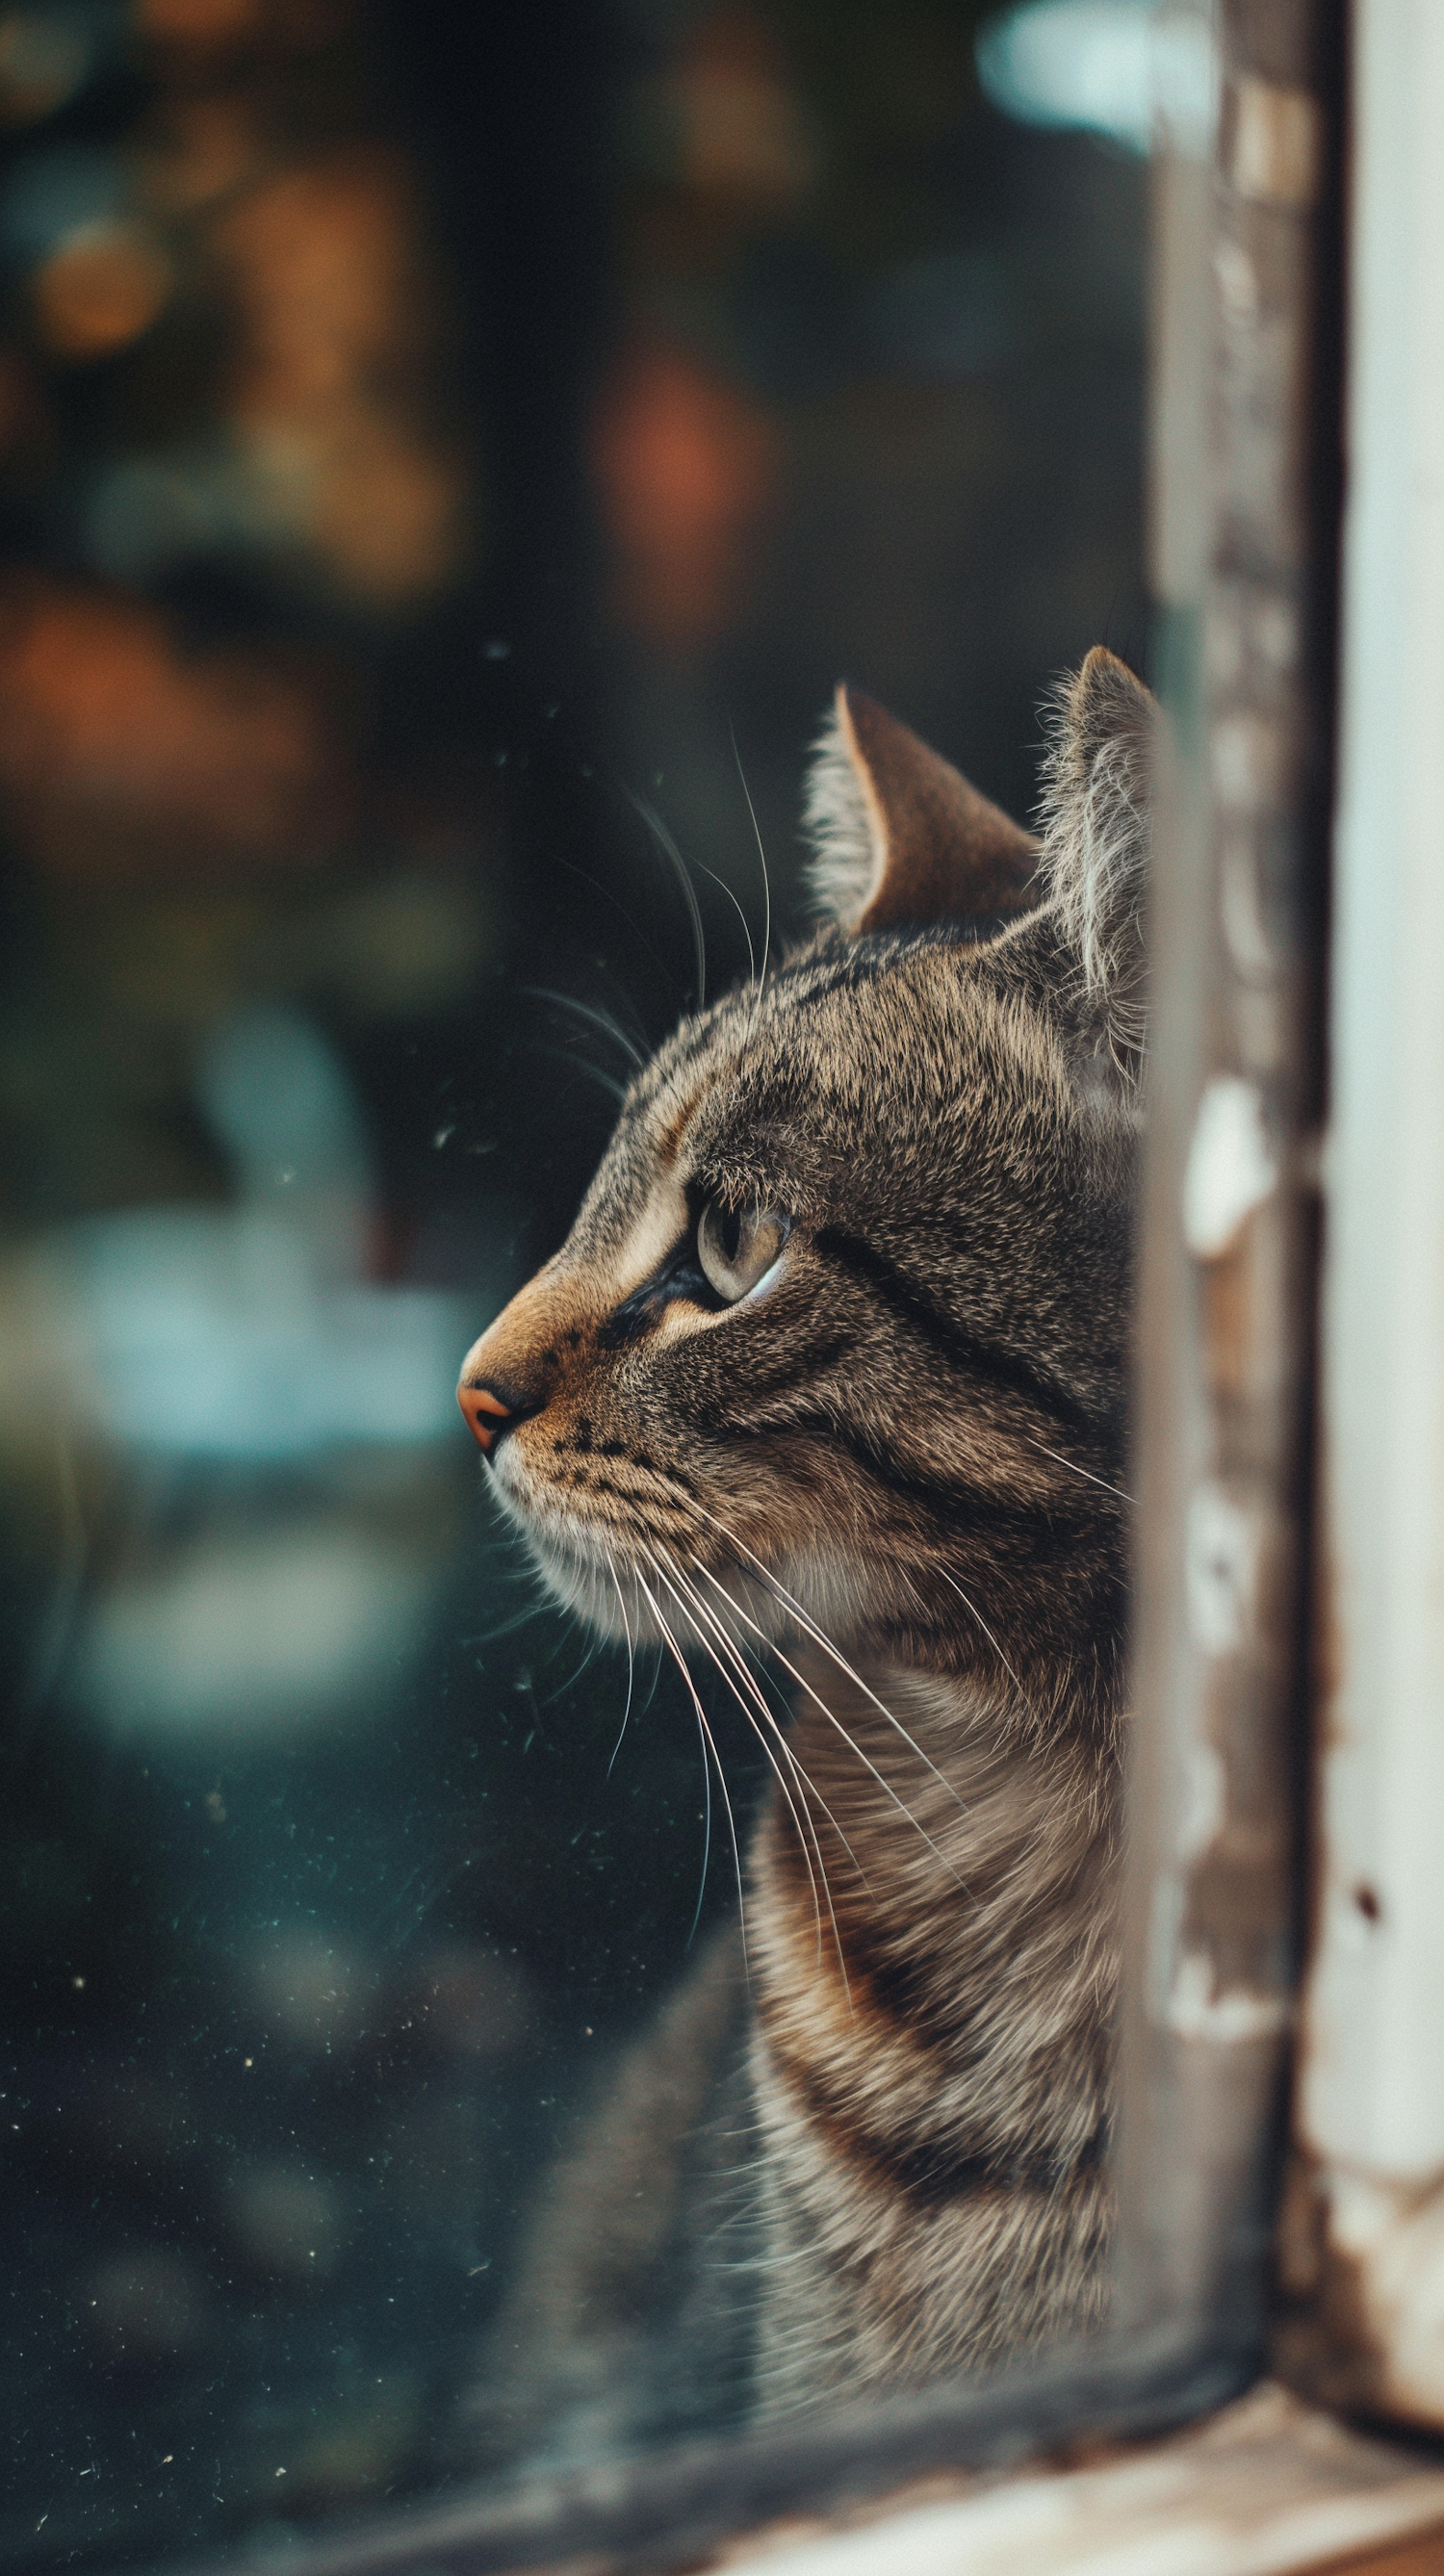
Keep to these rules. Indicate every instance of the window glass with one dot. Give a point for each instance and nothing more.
(447, 460)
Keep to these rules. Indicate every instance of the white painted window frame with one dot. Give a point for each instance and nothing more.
(1371, 2090)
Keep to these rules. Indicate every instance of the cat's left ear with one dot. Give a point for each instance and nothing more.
(1097, 815)
(898, 835)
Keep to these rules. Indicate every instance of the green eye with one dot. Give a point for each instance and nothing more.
(738, 1246)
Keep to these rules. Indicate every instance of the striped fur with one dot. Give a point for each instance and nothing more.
(898, 1463)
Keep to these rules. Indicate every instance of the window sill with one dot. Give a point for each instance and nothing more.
(1265, 2487)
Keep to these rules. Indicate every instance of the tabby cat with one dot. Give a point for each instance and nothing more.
(835, 1361)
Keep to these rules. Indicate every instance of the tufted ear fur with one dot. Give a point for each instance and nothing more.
(1095, 812)
(898, 835)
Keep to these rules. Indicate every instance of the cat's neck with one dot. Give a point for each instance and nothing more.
(932, 1956)
(912, 1776)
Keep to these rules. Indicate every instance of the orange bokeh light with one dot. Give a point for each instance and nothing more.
(740, 128)
(685, 464)
(99, 289)
(123, 758)
(201, 28)
(337, 324)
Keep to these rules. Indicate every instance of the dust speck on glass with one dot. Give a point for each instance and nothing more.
(448, 458)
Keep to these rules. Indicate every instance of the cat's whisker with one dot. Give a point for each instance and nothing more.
(703, 1739)
(820, 1638)
(678, 864)
(724, 888)
(658, 1660)
(1075, 1470)
(655, 825)
(706, 1834)
(508, 1627)
(572, 1678)
(697, 1608)
(631, 1662)
(971, 1605)
(761, 977)
(602, 1020)
(850, 1740)
(735, 1654)
(579, 1063)
(681, 1662)
(683, 1603)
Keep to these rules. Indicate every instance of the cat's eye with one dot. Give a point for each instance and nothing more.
(738, 1246)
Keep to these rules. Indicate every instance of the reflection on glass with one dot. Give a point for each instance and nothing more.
(445, 467)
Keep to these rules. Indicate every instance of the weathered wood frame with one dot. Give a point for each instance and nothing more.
(1244, 483)
(1365, 2240)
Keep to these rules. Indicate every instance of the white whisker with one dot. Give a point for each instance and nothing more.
(563, 1687)
(673, 855)
(655, 824)
(969, 1604)
(509, 1627)
(602, 1020)
(761, 977)
(735, 1653)
(580, 1064)
(850, 1741)
(680, 1597)
(631, 1662)
(724, 888)
(1074, 1470)
(820, 1638)
(697, 1608)
(681, 1663)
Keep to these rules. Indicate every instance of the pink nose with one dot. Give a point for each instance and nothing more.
(477, 1404)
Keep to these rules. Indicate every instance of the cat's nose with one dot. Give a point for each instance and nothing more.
(497, 1389)
(484, 1414)
(511, 1373)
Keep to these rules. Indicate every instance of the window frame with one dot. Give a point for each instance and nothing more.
(1245, 491)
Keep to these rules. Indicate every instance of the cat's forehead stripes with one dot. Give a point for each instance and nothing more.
(669, 1142)
(747, 1033)
(744, 1025)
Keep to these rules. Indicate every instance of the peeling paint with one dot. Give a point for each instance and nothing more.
(1205, 1802)
(1220, 1569)
(1393, 2239)
(1249, 944)
(1231, 1168)
(1232, 2018)
(1277, 144)
(1247, 763)
(1229, 1242)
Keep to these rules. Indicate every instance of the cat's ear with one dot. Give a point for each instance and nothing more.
(899, 836)
(1096, 817)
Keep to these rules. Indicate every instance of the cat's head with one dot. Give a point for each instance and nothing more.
(844, 1316)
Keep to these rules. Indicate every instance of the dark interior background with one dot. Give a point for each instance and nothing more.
(430, 437)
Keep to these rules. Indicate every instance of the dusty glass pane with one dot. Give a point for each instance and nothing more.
(448, 457)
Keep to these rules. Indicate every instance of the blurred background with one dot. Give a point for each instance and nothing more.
(445, 451)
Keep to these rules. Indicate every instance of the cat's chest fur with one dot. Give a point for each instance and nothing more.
(930, 2009)
(862, 2145)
